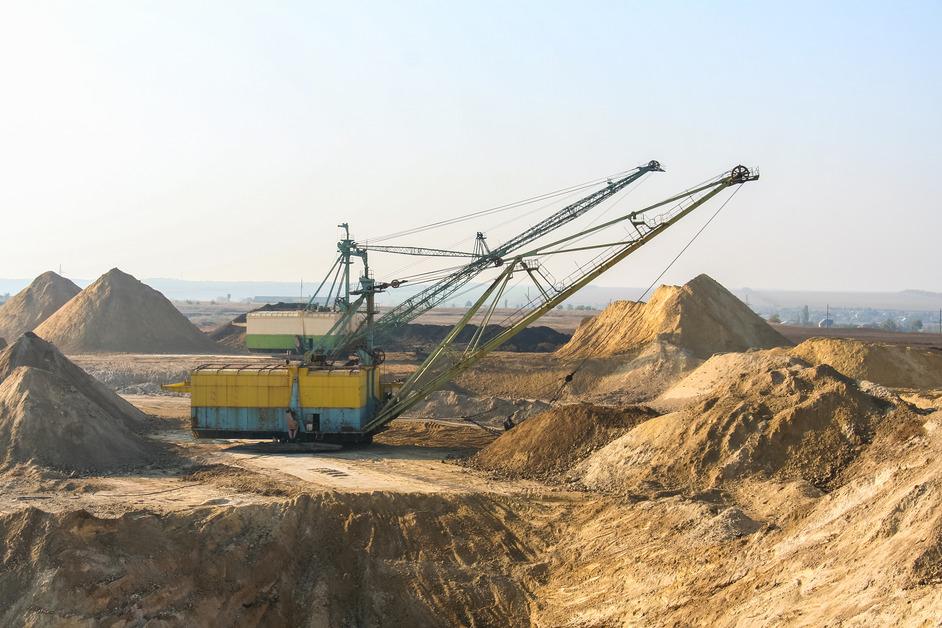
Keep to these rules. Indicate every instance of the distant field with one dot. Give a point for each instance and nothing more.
(922, 339)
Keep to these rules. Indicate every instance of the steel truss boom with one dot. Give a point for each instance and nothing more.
(444, 363)
(417, 250)
(439, 292)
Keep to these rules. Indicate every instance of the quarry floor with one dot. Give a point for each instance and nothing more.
(402, 533)
(407, 458)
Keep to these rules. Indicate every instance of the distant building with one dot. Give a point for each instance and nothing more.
(826, 322)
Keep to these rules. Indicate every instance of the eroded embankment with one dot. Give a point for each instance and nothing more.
(317, 560)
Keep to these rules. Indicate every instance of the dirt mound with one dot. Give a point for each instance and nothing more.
(889, 365)
(35, 303)
(701, 316)
(790, 421)
(55, 415)
(119, 313)
(31, 350)
(718, 371)
(46, 421)
(551, 443)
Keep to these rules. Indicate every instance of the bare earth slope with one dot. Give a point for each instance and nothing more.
(889, 365)
(30, 350)
(701, 316)
(54, 415)
(46, 421)
(119, 313)
(550, 443)
(326, 560)
(786, 420)
(34, 304)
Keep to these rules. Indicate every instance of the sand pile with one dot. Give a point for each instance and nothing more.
(119, 313)
(35, 303)
(889, 365)
(785, 420)
(551, 443)
(55, 415)
(701, 316)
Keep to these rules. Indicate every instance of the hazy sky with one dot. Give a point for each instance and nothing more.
(225, 140)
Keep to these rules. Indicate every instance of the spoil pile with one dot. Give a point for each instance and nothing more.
(888, 365)
(550, 444)
(35, 303)
(55, 415)
(701, 316)
(119, 313)
(786, 420)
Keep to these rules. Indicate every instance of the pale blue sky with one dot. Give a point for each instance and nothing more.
(224, 140)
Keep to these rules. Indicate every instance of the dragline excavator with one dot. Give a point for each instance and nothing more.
(331, 388)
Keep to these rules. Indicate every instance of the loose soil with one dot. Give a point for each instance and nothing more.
(784, 420)
(551, 443)
(54, 416)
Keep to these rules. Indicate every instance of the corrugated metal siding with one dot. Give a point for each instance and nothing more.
(263, 387)
(250, 388)
(333, 389)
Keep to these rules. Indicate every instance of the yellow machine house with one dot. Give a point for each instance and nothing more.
(250, 401)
